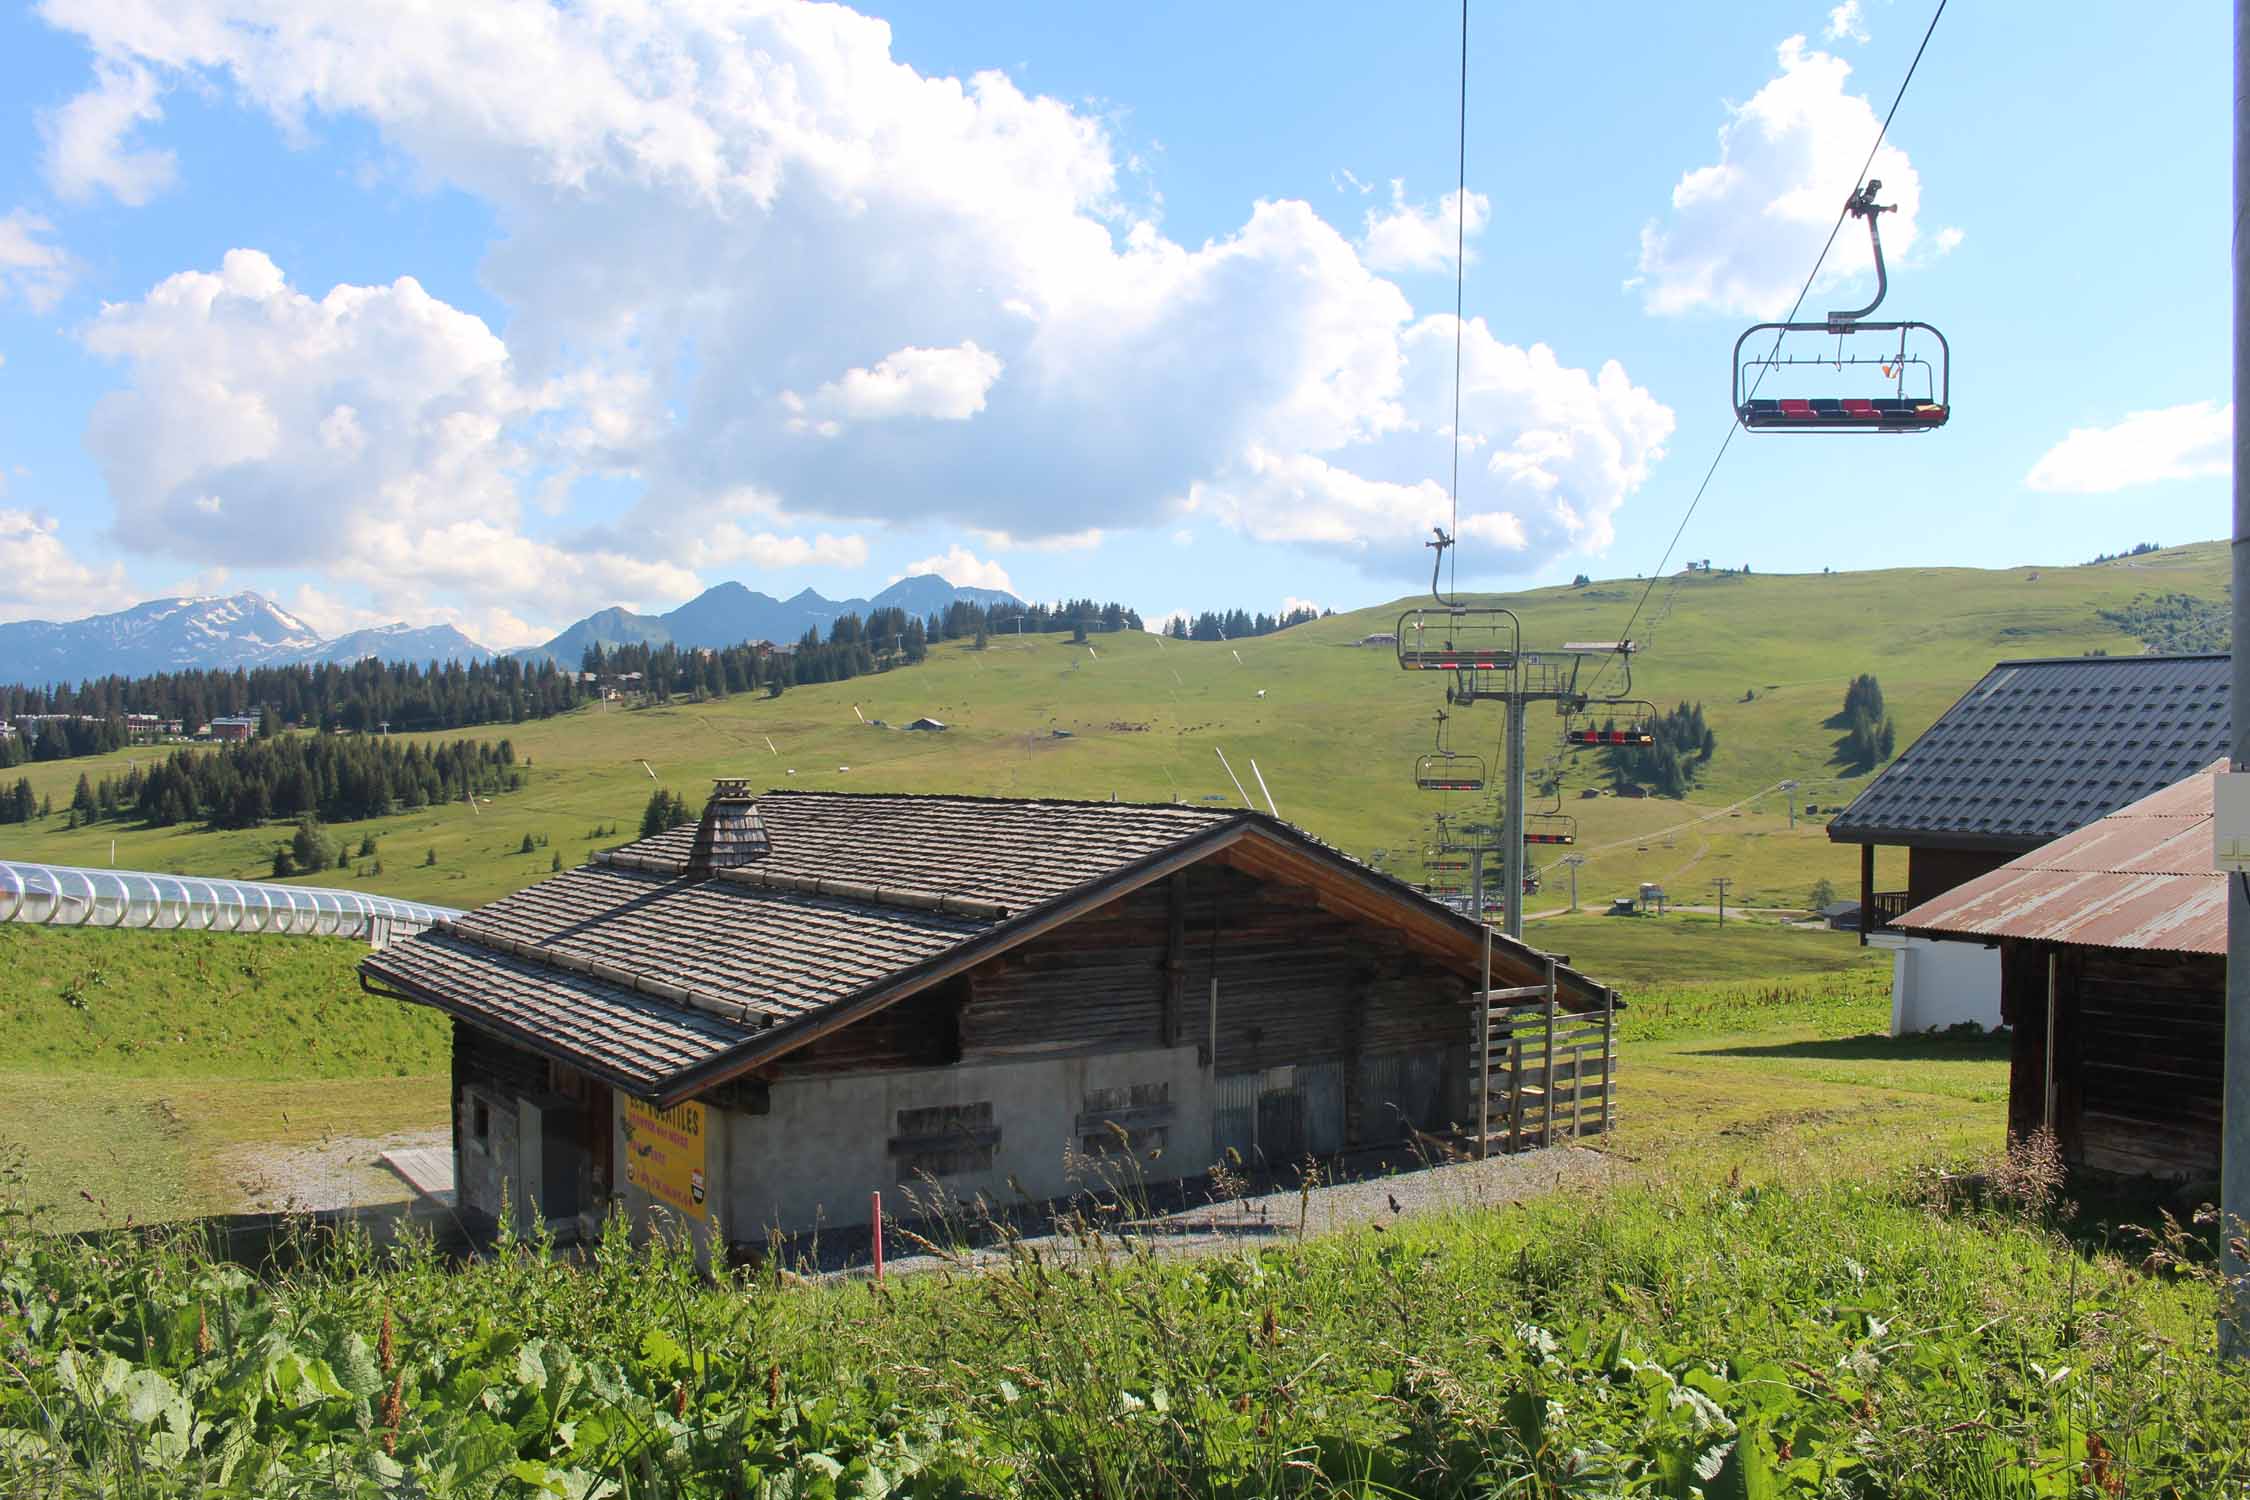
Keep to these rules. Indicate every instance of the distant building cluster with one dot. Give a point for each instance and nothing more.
(143, 727)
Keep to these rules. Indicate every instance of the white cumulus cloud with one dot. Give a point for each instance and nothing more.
(32, 266)
(759, 224)
(1847, 22)
(1419, 236)
(375, 433)
(1743, 231)
(86, 139)
(2190, 441)
(944, 385)
(960, 567)
(1067, 541)
(41, 578)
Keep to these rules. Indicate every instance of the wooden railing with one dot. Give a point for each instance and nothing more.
(1888, 908)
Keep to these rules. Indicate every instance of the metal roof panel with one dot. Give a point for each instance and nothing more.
(2038, 748)
(2140, 878)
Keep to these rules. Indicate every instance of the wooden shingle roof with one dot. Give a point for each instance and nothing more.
(666, 980)
(1011, 850)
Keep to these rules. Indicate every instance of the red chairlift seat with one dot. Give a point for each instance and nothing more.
(1550, 828)
(1842, 414)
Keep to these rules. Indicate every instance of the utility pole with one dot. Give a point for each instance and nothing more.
(2234, 1156)
(1571, 863)
(1791, 788)
(1511, 836)
(1723, 881)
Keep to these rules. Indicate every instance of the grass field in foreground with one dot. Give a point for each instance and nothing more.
(1335, 734)
(1761, 1302)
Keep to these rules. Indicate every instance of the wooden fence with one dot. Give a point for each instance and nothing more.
(1547, 1074)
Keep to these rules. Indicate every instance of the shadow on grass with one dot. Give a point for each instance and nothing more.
(1874, 1047)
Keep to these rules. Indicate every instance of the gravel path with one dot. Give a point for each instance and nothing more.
(340, 1172)
(1370, 1191)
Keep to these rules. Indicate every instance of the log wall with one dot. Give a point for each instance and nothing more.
(2139, 1045)
(1297, 986)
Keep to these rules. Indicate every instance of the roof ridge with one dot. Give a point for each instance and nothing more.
(2044, 661)
(987, 799)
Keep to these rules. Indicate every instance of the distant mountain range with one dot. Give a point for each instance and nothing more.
(250, 630)
(727, 614)
(174, 635)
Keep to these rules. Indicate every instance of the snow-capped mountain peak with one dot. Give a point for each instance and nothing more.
(203, 631)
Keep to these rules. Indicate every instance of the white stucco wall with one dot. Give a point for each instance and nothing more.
(823, 1146)
(1938, 984)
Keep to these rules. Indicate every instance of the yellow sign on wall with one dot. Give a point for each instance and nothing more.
(664, 1156)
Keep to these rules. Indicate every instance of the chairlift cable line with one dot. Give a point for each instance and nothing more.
(1460, 277)
(1802, 292)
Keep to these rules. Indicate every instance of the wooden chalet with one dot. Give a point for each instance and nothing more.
(756, 1020)
(2037, 748)
(2112, 948)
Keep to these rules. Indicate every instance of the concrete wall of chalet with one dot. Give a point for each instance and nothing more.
(827, 1140)
(1936, 984)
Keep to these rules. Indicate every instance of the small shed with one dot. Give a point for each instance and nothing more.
(928, 725)
(2112, 944)
(756, 1020)
(1840, 916)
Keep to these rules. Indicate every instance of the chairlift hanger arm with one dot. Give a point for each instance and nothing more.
(1437, 563)
(1862, 205)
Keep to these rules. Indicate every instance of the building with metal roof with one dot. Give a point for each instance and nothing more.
(757, 1019)
(2038, 748)
(2111, 943)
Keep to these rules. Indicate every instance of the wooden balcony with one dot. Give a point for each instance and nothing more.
(1885, 910)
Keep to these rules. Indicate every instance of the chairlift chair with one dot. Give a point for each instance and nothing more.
(1445, 769)
(1457, 638)
(1918, 370)
(1449, 771)
(1449, 636)
(1550, 828)
(1639, 728)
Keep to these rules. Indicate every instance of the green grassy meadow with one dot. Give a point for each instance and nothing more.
(142, 1074)
(1785, 1288)
(1335, 735)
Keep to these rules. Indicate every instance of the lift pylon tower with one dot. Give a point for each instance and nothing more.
(1531, 677)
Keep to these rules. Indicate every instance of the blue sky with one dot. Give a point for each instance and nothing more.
(503, 316)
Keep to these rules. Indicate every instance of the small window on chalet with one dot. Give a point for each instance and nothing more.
(1132, 1119)
(480, 1122)
(945, 1140)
